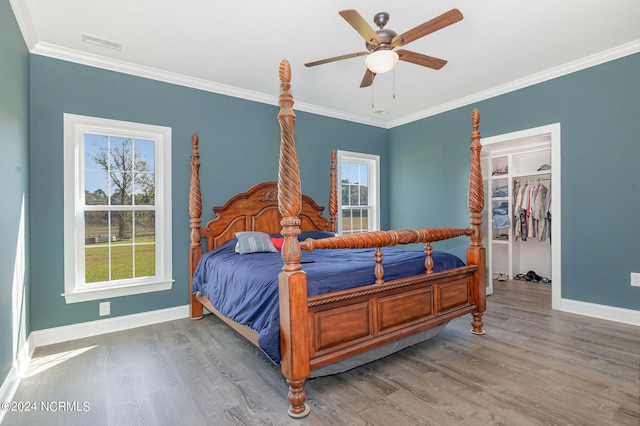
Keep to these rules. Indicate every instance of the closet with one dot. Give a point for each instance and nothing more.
(518, 210)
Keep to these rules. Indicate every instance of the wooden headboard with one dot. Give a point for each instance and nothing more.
(253, 210)
(257, 210)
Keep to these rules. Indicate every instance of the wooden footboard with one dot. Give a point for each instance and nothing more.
(349, 322)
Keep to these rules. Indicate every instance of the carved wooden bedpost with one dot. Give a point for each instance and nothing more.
(333, 194)
(294, 328)
(475, 252)
(195, 212)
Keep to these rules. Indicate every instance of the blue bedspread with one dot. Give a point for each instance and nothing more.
(245, 287)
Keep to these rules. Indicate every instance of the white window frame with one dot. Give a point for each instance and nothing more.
(75, 289)
(373, 161)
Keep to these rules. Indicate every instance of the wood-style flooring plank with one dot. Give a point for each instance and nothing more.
(534, 366)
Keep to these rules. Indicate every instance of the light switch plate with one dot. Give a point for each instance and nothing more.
(635, 279)
(105, 308)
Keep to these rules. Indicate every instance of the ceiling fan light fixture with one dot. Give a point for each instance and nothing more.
(381, 61)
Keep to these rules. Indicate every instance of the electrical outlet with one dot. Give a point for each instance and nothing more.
(635, 279)
(105, 308)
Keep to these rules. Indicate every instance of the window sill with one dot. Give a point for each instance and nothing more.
(111, 292)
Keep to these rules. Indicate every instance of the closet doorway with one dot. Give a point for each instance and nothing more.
(526, 157)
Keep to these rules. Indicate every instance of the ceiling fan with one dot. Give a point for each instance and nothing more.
(380, 44)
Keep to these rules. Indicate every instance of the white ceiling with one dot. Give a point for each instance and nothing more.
(235, 47)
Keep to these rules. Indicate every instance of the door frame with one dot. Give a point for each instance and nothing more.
(552, 131)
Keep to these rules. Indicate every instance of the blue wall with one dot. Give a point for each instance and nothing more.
(598, 110)
(14, 172)
(239, 147)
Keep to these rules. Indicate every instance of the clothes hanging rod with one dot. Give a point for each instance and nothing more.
(531, 179)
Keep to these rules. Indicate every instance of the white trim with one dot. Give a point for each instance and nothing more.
(610, 313)
(111, 292)
(13, 379)
(93, 328)
(116, 65)
(559, 71)
(78, 331)
(23, 16)
(553, 132)
(65, 54)
(75, 126)
(373, 162)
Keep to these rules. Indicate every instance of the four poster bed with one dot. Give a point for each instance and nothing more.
(326, 303)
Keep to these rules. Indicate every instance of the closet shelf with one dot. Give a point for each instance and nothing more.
(520, 162)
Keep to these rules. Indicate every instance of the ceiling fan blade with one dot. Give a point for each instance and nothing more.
(367, 80)
(360, 25)
(420, 59)
(442, 21)
(335, 58)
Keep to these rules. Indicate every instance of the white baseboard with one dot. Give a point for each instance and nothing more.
(11, 382)
(77, 331)
(611, 313)
(66, 333)
(109, 325)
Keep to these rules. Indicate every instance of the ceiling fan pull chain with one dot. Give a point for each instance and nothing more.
(394, 83)
(372, 97)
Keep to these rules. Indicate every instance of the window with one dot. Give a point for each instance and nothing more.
(358, 192)
(117, 208)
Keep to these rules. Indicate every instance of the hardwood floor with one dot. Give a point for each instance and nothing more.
(534, 366)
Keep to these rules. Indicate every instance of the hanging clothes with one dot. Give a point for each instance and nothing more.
(540, 212)
(531, 210)
(518, 194)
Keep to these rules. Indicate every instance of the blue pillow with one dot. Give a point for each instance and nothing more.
(254, 242)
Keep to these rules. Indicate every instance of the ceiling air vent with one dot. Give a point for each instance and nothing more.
(101, 42)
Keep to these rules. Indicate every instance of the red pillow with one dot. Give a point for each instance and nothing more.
(277, 242)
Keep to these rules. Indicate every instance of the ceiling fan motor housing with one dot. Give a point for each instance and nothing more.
(385, 40)
(381, 19)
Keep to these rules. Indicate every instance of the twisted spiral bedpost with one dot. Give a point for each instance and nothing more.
(333, 194)
(195, 197)
(195, 213)
(476, 187)
(289, 193)
(292, 281)
(475, 252)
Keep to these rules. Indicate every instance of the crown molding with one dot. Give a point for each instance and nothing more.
(571, 67)
(23, 17)
(116, 65)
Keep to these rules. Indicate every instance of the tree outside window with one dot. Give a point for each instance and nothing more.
(117, 208)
